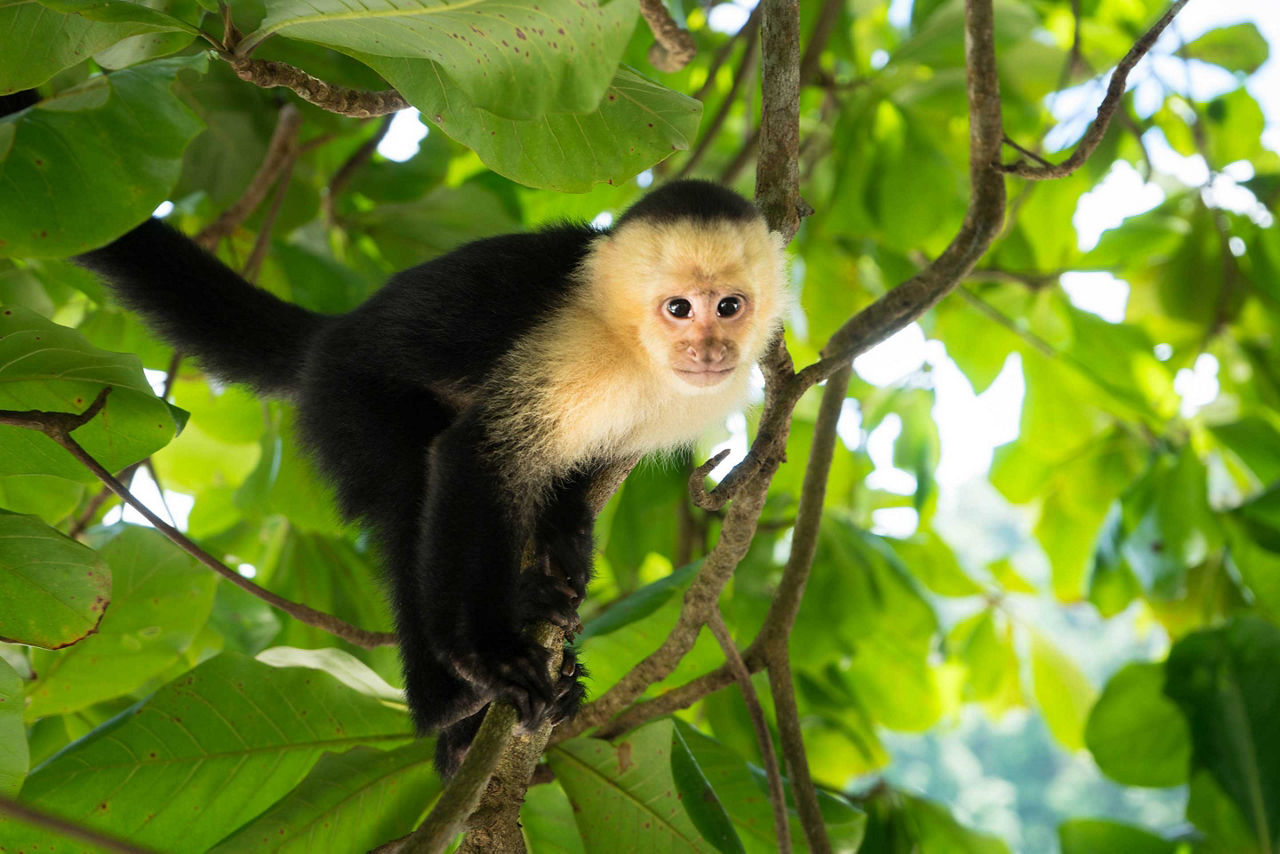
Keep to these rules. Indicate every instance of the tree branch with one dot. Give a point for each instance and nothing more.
(1108, 107)
(673, 47)
(788, 717)
(58, 426)
(335, 99)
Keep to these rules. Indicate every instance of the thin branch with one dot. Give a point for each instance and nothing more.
(263, 240)
(722, 55)
(777, 795)
(672, 47)
(785, 604)
(1026, 152)
(281, 151)
(95, 838)
(788, 717)
(335, 99)
(1108, 107)
(58, 427)
(982, 221)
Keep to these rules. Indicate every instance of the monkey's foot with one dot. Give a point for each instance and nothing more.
(513, 669)
(550, 598)
(569, 690)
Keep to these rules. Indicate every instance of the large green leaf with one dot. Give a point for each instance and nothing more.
(352, 801)
(41, 39)
(636, 124)
(624, 790)
(1091, 835)
(160, 599)
(50, 367)
(13, 735)
(1239, 47)
(206, 753)
(53, 591)
(1224, 681)
(743, 791)
(1136, 734)
(516, 58)
(72, 174)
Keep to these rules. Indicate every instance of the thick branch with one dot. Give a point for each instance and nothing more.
(777, 167)
(673, 47)
(1108, 107)
(58, 426)
(335, 99)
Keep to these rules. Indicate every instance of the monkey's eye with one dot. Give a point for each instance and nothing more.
(679, 307)
(728, 307)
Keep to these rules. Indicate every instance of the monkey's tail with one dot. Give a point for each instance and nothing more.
(238, 332)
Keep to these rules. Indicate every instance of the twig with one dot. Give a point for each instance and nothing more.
(1115, 89)
(1026, 152)
(96, 838)
(263, 239)
(335, 99)
(280, 154)
(712, 130)
(777, 795)
(348, 169)
(672, 47)
(58, 427)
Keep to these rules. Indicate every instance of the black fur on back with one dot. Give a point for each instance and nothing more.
(700, 201)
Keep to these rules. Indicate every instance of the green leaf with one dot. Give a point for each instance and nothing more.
(637, 124)
(1136, 734)
(352, 801)
(901, 823)
(119, 11)
(41, 41)
(547, 818)
(50, 498)
(49, 367)
(53, 591)
(699, 799)
(1256, 442)
(1239, 47)
(743, 790)
(1224, 682)
(624, 790)
(1062, 691)
(13, 734)
(517, 59)
(1092, 835)
(206, 753)
(160, 599)
(1257, 565)
(72, 175)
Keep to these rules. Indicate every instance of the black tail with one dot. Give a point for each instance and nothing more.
(236, 331)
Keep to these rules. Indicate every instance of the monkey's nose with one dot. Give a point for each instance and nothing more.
(709, 352)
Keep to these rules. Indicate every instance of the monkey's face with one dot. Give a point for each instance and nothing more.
(698, 300)
(702, 329)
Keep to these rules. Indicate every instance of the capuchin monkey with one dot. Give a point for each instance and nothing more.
(463, 411)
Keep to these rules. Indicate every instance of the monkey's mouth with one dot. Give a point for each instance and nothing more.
(705, 376)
